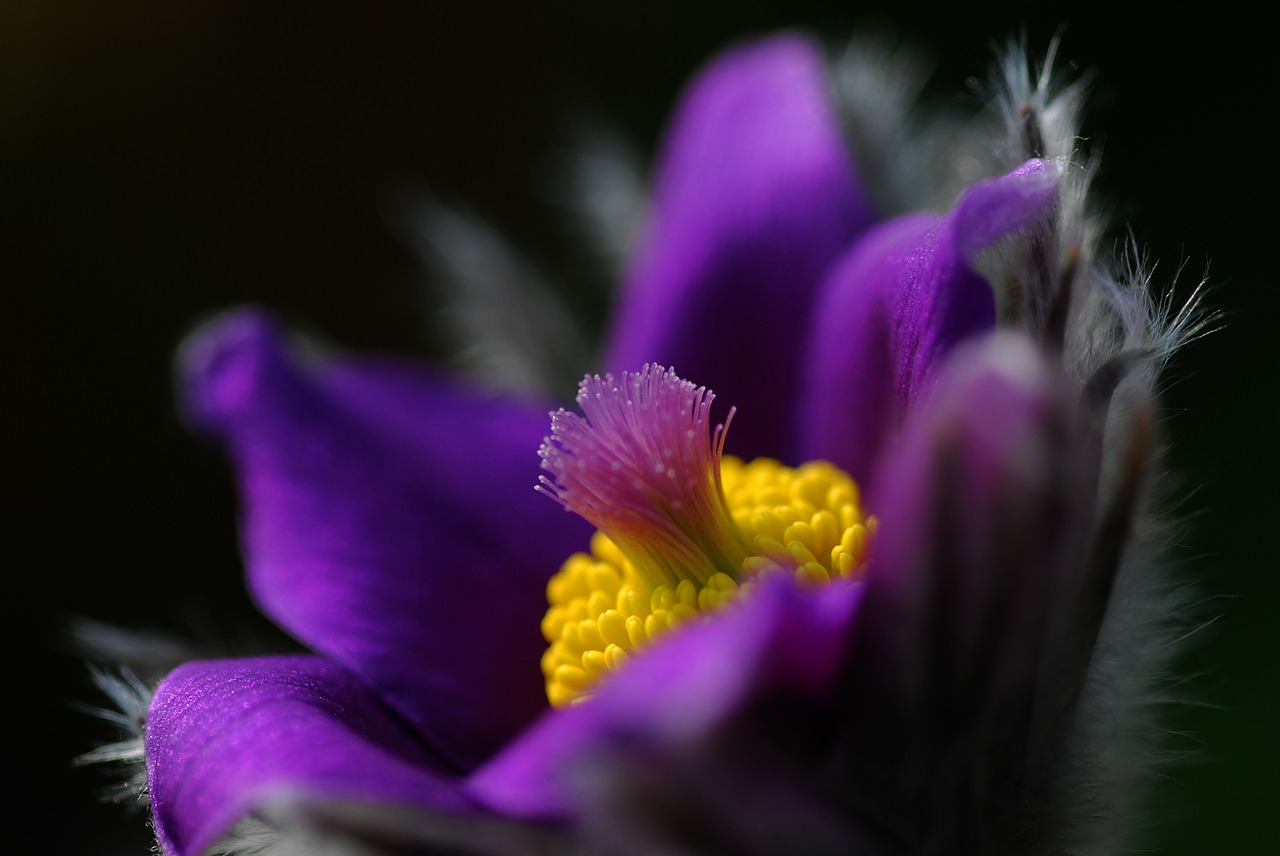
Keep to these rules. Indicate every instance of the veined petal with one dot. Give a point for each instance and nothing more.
(970, 604)
(895, 305)
(225, 737)
(389, 521)
(676, 695)
(755, 196)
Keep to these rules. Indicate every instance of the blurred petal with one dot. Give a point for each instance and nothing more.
(969, 598)
(224, 738)
(678, 692)
(756, 195)
(389, 521)
(895, 305)
(349, 828)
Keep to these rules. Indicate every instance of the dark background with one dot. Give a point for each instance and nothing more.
(160, 161)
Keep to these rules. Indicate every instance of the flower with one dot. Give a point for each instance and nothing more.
(942, 696)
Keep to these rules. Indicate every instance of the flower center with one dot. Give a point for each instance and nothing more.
(682, 528)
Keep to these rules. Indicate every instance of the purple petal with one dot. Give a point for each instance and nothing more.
(903, 297)
(223, 738)
(968, 601)
(678, 692)
(756, 195)
(389, 521)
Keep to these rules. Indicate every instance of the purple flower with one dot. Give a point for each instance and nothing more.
(938, 691)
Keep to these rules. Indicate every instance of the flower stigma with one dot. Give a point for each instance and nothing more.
(682, 528)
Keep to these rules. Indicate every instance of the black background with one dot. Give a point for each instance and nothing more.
(160, 161)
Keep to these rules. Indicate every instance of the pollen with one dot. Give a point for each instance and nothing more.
(682, 530)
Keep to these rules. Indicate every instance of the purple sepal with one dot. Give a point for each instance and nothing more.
(755, 196)
(896, 304)
(968, 605)
(389, 521)
(778, 640)
(225, 737)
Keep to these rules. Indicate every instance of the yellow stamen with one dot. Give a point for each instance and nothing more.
(806, 521)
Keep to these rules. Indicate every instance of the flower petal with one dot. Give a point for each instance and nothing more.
(756, 195)
(225, 737)
(677, 693)
(895, 305)
(389, 521)
(969, 606)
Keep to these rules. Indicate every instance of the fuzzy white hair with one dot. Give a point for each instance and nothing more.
(130, 697)
(298, 825)
(509, 322)
(1115, 334)
(126, 665)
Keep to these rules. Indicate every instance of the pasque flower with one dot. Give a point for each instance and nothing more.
(923, 644)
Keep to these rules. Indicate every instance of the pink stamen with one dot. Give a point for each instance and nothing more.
(641, 465)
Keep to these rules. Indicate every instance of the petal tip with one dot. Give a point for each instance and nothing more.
(1000, 206)
(218, 364)
(768, 55)
(1009, 364)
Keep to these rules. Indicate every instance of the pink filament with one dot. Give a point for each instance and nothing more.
(639, 465)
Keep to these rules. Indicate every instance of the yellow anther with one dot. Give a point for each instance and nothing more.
(632, 602)
(769, 548)
(768, 525)
(681, 613)
(803, 521)
(824, 529)
(561, 695)
(801, 553)
(595, 664)
(599, 601)
(604, 579)
(606, 551)
(589, 636)
(636, 633)
(754, 566)
(663, 598)
(613, 627)
(615, 655)
(813, 574)
(572, 676)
